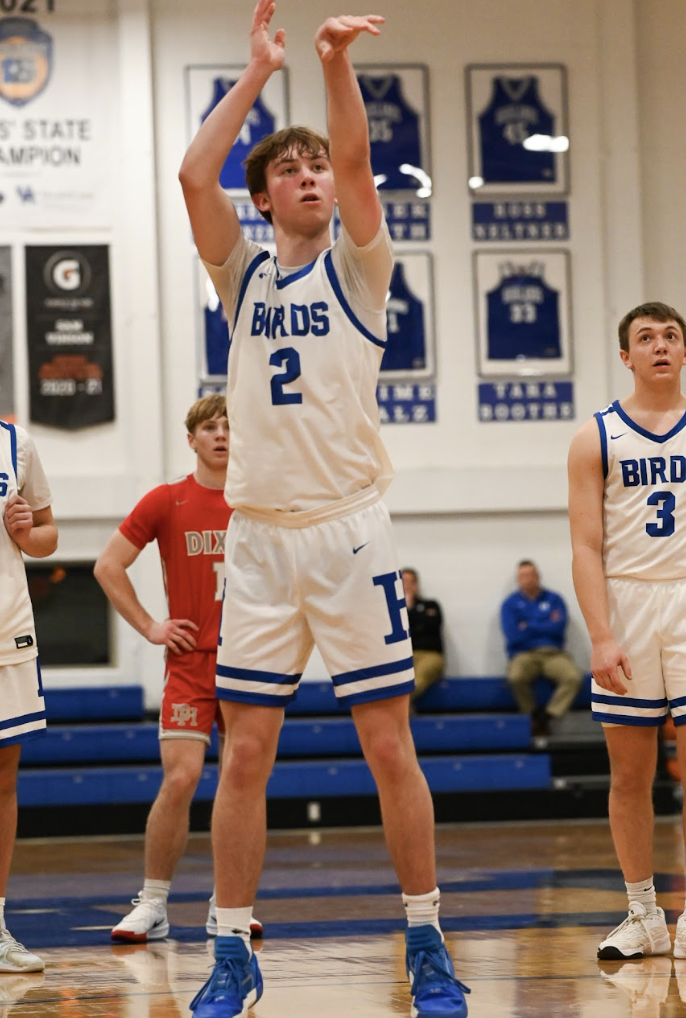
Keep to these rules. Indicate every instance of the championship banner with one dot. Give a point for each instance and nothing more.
(6, 355)
(69, 335)
(58, 135)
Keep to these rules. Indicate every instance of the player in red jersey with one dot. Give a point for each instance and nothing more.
(188, 519)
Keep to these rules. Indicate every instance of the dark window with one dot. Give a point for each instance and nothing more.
(71, 613)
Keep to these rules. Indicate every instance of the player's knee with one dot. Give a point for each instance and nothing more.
(631, 781)
(181, 782)
(389, 754)
(248, 761)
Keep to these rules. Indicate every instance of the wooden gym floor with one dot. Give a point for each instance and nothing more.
(523, 908)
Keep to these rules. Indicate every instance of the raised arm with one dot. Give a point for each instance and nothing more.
(110, 572)
(358, 200)
(586, 489)
(215, 225)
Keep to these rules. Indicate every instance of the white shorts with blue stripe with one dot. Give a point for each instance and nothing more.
(333, 583)
(22, 707)
(648, 620)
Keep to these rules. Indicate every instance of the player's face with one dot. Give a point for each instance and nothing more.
(656, 350)
(210, 440)
(300, 191)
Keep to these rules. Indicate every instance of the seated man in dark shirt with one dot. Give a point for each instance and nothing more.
(426, 621)
(534, 621)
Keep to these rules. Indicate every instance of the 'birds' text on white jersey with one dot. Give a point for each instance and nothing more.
(644, 508)
(305, 347)
(20, 473)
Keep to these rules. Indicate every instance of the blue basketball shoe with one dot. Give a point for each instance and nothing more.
(436, 993)
(235, 983)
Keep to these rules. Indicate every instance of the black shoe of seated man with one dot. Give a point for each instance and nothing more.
(540, 723)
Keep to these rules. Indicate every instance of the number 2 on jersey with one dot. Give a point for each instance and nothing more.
(665, 514)
(289, 359)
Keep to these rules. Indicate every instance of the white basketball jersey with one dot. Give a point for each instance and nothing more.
(20, 473)
(301, 386)
(644, 508)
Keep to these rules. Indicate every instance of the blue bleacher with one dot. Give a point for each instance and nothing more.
(310, 779)
(87, 703)
(323, 737)
(468, 734)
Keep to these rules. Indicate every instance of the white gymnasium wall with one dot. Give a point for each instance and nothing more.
(469, 499)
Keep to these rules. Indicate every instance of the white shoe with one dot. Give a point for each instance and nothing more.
(256, 929)
(645, 982)
(680, 938)
(15, 958)
(642, 933)
(147, 921)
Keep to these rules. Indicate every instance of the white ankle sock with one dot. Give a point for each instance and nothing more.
(158, 889)
(234, 922)
(422, 909)
(643, 891)
(2, 913)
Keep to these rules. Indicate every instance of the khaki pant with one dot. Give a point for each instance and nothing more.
(551, 663)
(428, 668)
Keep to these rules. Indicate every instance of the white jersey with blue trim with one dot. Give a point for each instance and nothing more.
(644, 506)
(304, 354)
(20, 473)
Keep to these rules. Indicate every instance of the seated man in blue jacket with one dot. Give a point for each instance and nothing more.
(534, 621)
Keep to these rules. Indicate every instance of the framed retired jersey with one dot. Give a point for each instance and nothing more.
(523, 313)
(410, 348)
(518, 133)
(396, 98)
(207, 84)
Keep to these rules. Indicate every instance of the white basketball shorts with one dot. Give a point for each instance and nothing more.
(648, 620)
(22, 707)
(334, 583)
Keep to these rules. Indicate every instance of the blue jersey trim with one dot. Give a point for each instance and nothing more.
(25, 719)
(254, 675)
(630, 719)
(13, 445)
(628, 701)
(678, 702)
(340, 296)
(249, 273)
(603, 443)
(390, 668)
(257, 699)
(32, 733)
(648, 434)
(384, 693)
(282, 281)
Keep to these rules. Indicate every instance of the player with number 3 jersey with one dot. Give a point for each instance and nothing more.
(627, 510)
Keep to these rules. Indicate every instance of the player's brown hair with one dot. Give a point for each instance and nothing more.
(304, 140)
(656, 310)
(204, 409)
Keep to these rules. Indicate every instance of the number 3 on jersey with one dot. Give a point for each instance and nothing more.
(289, 360)
(665, 514)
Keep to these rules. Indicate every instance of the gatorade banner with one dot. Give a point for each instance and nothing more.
(69, 335)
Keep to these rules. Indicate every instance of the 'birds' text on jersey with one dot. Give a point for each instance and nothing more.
(304, 359)
(644, 506)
